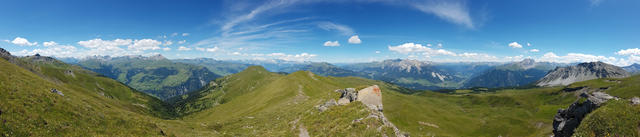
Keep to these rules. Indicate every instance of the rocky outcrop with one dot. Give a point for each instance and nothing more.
(635, 101)
(581, 72)
(371, 97)
(5, 54)
(566, 120)
(326, 105)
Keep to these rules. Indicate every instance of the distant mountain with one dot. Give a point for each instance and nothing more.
(218, 67)
(513, 74)
(155, 75)
(324, 69)
(273, 65)
(633, 69)
(410, 73)
(581, 72)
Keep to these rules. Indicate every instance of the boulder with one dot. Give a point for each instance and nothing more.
(343, 101)
(635, 101)
(53, 90)
(566, 120)
(371, 96)
(349, 93)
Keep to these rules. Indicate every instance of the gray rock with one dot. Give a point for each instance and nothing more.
(343, 101)
(581, 72)
(53, 90)
(349, 93)
(566, 120)
(635, 101)
(326, 105)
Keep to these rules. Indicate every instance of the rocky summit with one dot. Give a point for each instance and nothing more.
(581, 72)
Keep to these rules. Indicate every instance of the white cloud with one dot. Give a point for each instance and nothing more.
(183, 48)
(23, 42)
(377, 52)
(182, 41)
(296, 57)
(577, 57)
(354, 39)
(107, 44)
(50, 43)
(168, 43)
(528, 44)
(185, 34)
(515, 45)
(634, 51)
(174, 34)
(214, 49)
(418, 48)
(145, 44)
(330, 26)
(236, 53)
(449, 10)
(56, 51)
(331, 44)
(534, 50)
(166, 49)
(200, 49)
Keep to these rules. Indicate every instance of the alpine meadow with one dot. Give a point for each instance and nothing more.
(353, 68)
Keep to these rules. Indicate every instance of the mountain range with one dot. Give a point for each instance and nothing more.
(513, 74)
(40, 96)
(581, 72)
(155, 75)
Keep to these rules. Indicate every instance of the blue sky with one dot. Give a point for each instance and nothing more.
(335, 31)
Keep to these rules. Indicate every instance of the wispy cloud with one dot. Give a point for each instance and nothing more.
(595, 3)
(454, 11)
(330, 26)
(274, 4)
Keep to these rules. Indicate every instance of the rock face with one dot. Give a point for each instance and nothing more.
(581, 72)
(4, 53)
(372, 97)
(633, 69)
(566, 120)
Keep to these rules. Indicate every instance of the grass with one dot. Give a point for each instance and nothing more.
(616, 118)
(30, 109)
(256, 102)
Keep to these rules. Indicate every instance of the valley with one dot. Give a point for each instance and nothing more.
(258, 102)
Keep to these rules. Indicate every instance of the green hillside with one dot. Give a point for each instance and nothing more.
(155, 75)
(91, 105)
(256, 102)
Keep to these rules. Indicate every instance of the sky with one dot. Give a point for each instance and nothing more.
(335, 31)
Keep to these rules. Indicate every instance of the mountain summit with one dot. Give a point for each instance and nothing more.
(581, 72)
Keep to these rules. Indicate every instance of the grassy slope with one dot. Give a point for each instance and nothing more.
(257, 102)
(30, 109)
(617, 117)
(270, 109)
